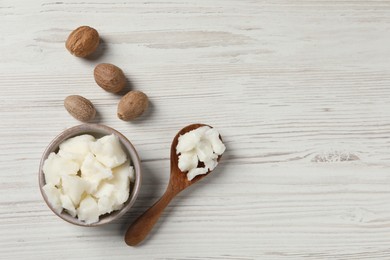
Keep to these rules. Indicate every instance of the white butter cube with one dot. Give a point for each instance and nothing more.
(108, 151)
(188, 141)
(67, 204)
(88, 210)
(76, 148)
(120, 198)
(117, 206)
(204, 151)
(74, 187)
(56, 166)
(210, 164)
(106, 204)
(94, 172)
(121, 176)
(212, 136)
(113, 193)
(196, 171)
(121, 180)
(202, 130)
(188, 160)
(53, 195)
(105, 189)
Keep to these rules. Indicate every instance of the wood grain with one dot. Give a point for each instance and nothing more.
(298, 89)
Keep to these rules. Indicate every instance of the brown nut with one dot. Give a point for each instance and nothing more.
(80, 108)
(109, 77)
(132, 105)
(82, 41)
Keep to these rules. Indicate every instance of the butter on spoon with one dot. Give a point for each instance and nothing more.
(178, 181)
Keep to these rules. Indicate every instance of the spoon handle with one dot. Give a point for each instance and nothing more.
(141, 227)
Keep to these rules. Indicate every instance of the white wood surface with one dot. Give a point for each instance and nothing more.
(300, 91)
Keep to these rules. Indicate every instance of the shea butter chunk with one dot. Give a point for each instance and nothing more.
(204, 151)
(53, 195)
(76, 148)
(108, 151)
(56, 166)
(106, 204)
(105, 189)
(106, 197)
(88, 210)
(195, 172)
(212, 136)
(74, 187)
(202, 145)
(211, 164)
(67, 204)
(93, 172)
(188, 160)
(121, 180)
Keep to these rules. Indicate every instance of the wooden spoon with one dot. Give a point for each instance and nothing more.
(178, 181)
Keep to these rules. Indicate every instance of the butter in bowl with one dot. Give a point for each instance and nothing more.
(90, 175)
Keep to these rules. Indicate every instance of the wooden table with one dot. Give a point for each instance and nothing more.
(300, 91)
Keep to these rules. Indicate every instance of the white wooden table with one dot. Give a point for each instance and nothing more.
(300, 91)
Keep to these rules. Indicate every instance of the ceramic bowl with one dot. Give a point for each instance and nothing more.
(96, 130)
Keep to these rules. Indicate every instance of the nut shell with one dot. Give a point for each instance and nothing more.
(80, 108)
(109, 77)
(83, 41)
(132, 105)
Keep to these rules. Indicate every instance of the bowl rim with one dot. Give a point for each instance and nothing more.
(89, 128)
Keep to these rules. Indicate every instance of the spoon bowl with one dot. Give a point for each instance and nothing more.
(178, 178)
(178, 181)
